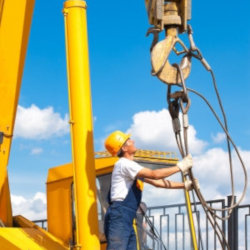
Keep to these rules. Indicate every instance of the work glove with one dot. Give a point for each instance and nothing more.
(185, 164)
(189, 184)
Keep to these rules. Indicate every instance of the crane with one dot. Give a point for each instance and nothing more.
(17, 15)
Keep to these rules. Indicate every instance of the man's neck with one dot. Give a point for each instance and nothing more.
(129, 156)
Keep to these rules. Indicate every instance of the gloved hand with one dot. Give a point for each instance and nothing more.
(189, 184)
(185, 164)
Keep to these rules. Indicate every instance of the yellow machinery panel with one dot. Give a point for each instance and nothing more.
(28, 236)
(59, 200)
(59, 197)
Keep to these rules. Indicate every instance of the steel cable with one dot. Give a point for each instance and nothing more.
(218, 231)
(209, 214)
(224, 127)
(175, 115)
(208, 68)
(209, 211)
(235, 147)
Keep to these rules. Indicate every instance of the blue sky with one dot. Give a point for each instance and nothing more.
(124, 94)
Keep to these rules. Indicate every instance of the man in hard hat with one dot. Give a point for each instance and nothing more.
(126, 191)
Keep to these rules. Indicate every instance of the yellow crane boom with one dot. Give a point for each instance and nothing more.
(15, 21)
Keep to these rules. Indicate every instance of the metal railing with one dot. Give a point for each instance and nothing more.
(41, 223)
(172, 224)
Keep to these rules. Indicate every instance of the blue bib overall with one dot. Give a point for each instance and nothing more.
(119, 218)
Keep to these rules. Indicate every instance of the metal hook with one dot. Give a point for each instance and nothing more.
(159, 59)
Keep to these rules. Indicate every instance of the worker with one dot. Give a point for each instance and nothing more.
(126, 189)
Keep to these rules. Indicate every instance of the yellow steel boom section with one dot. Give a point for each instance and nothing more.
(15, 21)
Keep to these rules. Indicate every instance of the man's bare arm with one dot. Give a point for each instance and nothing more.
(184, 165)
(157, 173)
(165, 183)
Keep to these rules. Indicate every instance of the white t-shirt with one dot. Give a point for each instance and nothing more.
(123, 176)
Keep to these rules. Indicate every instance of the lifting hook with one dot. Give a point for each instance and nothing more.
(161, 67)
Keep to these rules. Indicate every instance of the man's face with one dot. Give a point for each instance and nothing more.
(129, 146)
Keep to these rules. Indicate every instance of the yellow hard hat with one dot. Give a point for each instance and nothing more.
(115, 141)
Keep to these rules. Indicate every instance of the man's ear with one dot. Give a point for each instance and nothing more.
(124, 148)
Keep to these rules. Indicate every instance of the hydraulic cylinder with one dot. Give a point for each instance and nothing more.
(81, 125)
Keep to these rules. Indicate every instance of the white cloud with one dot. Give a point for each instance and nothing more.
(36, 151)
(218, 138)
(213, 171)
(32, 209)
(36, 123)
(153, 130)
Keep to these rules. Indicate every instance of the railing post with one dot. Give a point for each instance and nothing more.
(232, 225)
